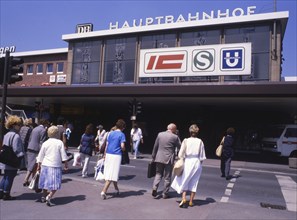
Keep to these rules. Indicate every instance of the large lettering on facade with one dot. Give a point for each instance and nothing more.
(169, 19)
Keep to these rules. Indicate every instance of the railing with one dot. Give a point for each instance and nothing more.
(17, 112)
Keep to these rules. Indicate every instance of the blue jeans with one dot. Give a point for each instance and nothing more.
(135, 147)
(7, 180)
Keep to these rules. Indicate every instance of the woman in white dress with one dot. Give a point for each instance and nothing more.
(192, 150)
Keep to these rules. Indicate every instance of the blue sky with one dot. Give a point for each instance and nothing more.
(38, 25)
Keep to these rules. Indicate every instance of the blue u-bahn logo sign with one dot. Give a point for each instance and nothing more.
(232, 59)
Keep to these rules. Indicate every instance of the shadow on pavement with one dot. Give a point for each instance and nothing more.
(67, 199)
(199, 202)
(128, 193)
(66, 180)
(29, 196)
(127, 177)
(72, 170)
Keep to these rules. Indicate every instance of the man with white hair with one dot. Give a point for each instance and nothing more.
(164, 156)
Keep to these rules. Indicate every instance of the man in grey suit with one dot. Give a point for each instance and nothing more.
(37, 137)
(164, 156)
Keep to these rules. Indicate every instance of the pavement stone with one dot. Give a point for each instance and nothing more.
(80, 199)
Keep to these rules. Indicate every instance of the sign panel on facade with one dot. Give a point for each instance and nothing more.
(210, 60)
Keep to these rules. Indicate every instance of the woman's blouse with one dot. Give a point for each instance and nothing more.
(114, 141)
(52, 153)
(192, 147)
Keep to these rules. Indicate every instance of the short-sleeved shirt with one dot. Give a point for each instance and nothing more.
(115, 138)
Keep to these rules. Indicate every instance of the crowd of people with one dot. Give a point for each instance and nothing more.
(44, 150)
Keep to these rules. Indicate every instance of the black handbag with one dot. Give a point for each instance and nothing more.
(8, 156)
(151, 169)
(125, 157)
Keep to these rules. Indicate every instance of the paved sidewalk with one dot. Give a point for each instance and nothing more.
(80, 199)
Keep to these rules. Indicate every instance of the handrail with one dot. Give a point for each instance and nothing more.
(17, 112)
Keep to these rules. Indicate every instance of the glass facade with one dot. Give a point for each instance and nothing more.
(203, 37)
(157, 41)
(259, 36)
(120, 62)
(86, 62)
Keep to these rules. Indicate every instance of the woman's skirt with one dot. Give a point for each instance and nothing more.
(189, 179)
(50, 178)
(112, 166)
(31, 159)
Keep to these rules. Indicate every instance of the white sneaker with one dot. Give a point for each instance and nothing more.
(103, 195)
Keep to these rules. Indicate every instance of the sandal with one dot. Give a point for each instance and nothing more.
(182, 204)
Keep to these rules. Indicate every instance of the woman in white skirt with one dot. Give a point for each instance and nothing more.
(192, 150)
(113, 157)
(49, 160)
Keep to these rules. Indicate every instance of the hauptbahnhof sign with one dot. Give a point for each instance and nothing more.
(169, 19)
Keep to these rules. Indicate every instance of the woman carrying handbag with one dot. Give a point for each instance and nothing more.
(227, 153)
(192, 149)
(11, 139)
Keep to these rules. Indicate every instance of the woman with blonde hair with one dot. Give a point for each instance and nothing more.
(49, 159)
(12, 139)
(192, 150)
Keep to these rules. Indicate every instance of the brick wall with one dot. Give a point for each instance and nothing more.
(44, 78)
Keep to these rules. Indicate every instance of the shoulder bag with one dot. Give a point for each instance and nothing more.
(219, 149)
(8, 156)
(179, 166)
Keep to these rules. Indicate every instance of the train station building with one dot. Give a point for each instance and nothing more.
(217, 69)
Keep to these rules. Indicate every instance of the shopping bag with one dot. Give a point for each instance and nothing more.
(151, 169)
(100, 176)
(34, 183)
(99, 171)
(77, 160)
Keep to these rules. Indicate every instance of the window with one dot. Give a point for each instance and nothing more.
(39, 69)
(60, 67)
(291, 132)
(208, 37)
(119, 62)
(259, 36)
(49, 68)
(30, 69)
(158, 41)
(86, 62)
(200, 37)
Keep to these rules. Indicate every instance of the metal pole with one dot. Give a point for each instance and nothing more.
(4, 95)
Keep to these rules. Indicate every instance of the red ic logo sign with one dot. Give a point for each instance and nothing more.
(165, 62)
